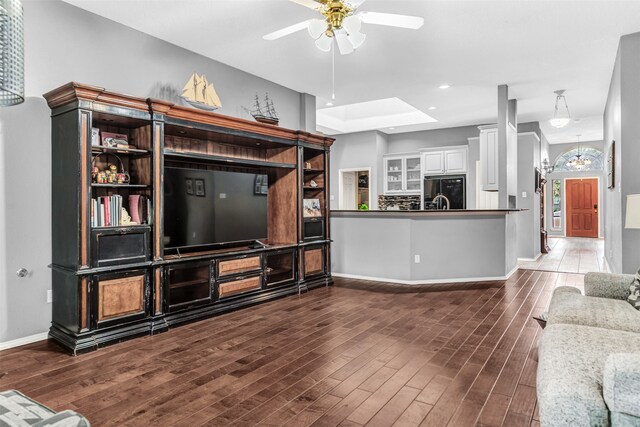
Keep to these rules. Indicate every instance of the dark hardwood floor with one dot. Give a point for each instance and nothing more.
(357, 353)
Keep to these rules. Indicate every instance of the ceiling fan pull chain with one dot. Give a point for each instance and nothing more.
(333, 70)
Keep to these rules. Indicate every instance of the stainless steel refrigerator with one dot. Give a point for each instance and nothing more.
(453, 187)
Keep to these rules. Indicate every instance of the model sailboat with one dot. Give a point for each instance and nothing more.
(264, 114)
(200, 93)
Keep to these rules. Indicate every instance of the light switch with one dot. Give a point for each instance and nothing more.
(524, 194)
(332, 198)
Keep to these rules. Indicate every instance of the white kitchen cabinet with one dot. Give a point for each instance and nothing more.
(403, 174)
(449, 161)
(434, 162)
(489, 156)
(413, 174)
(393, 175)
(455, 161)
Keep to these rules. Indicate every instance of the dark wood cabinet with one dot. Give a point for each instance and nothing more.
(120, 298)
(114, 279)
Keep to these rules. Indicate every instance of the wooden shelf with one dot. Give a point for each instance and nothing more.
(196, 282)
(313, 188)
(225, 160)
(95, 185)
(115, 150)
(115, 227)
(313, 170)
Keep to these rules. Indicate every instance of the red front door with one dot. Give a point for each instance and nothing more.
(582, 207)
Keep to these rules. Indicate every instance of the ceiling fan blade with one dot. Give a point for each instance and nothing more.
(311, 4)
(288, 30)
(344, 45)
(391, 20)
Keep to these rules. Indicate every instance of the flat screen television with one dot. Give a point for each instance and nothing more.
(203, 207)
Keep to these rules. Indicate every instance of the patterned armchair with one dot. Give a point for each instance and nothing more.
(17, 410)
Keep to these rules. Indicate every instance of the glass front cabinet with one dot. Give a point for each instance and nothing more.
(402, 174)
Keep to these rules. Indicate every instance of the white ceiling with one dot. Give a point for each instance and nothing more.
(534, 46)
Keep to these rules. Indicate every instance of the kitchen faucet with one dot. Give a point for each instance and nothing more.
(440, 195)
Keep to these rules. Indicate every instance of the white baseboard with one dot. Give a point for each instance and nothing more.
(24, 341)
(424, 282)
(530, 259)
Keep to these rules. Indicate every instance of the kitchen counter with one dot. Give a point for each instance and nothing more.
(424, 212)
(422, 247)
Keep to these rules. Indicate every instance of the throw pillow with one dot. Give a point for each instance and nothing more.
(634, 296)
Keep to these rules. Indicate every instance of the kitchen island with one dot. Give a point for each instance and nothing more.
(421, 247)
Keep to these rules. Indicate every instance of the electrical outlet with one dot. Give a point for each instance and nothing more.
(524, 194)
(332, 197)
(416, 259)
(49, 296)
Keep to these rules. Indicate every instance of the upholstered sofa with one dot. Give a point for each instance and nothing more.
(589, 356)
(17, 410)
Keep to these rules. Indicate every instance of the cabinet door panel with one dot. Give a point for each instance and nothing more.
(239, 286)
(313, 261)
(433, 163)
(394, 173)
(413, 174)
(238, 266)
(455, 161)
(120, 297)
(489, 159)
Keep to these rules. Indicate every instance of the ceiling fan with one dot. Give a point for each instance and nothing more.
(342, 22)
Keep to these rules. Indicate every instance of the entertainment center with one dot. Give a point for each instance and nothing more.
(219, 214)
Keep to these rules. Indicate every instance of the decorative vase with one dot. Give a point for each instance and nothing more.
(134, 202)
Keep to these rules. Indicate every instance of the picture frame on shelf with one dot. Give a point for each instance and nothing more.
(95, 136)
(611, 166)
(311, 208)
(115, 140)
(261, 186)
(200, 191)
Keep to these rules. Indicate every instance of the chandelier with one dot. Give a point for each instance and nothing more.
(11, 53)
(578, 162)
(561, 116)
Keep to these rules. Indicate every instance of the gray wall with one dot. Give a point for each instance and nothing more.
(358, 150)
(366, 149)
(62, 44)
(413, 141)
(622, 246)
(528, 221)
(556, 150)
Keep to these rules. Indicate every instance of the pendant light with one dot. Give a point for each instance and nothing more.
(11, 53)
(578, 162)
(561, 116)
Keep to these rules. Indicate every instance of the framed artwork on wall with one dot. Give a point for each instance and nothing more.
(611, 166)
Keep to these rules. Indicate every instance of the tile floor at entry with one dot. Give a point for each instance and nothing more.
(570, 255)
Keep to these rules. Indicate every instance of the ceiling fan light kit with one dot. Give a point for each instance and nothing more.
(341, 22)
(561, 116)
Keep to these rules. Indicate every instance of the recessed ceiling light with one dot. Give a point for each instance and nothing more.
(576, 121)
(445, 86)
(432, 108)
(391, 128)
